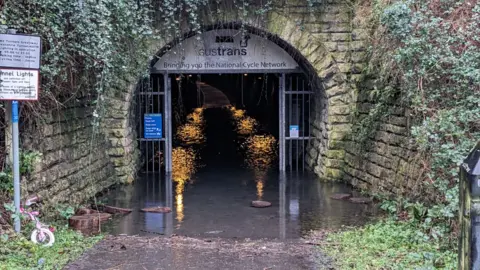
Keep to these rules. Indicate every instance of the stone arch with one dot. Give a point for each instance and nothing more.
(314, 59)
(326, 47)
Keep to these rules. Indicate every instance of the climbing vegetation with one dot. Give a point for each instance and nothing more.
(90, 48)
(424, 57)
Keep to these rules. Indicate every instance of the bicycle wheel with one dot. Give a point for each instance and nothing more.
(48, 237)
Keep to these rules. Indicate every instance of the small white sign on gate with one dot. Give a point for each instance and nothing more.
(19, 84)
(294, 131)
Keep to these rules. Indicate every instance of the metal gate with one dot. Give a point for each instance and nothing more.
(294, 116)
(154, 123)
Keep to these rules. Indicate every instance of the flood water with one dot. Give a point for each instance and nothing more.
(214, 181)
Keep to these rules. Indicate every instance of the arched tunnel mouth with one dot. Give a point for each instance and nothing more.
(221, 163)
(233, 112)
(226, 133)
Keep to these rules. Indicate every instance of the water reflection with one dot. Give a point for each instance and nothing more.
(246, 126)
(184, 159)
(260, 189)
(237, 113)
(190, 134)
(260, 152)
(217, 203)
(179, 208)
(196, 117)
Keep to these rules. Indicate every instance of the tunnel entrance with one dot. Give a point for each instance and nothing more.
(248, 104)
(220, 115)
(243, 72)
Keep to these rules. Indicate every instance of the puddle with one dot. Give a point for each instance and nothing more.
(214, 200)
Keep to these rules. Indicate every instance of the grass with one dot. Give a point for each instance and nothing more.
(20, 253)
(389, 244)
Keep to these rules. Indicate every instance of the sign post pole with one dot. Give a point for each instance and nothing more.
(16, 163)
(19, 80)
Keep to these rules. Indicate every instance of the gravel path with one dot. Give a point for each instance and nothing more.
(134, 252)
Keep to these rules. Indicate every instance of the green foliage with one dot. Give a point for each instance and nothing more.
(389, 244)
(65, 211)
(397, 19)
(10, 207)
(6, 181)
(90, 48)
(19, 252)
(425, 58)
(27, 161)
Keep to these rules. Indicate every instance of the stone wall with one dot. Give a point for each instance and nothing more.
(120, 128)
(334, 48)
(74, 163)
(387, 162)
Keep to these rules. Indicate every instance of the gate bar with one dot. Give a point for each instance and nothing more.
(281, 135)
(168, 124)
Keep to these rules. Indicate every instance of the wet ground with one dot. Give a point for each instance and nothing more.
(216, 201)
(212, 224)
(188, 253)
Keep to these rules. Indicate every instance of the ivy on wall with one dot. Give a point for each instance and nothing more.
(89, 47)
(425, 57)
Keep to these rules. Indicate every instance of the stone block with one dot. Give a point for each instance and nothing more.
(334, 144)
(344, 99)
(339, 119)
(330, 46)
(340, 37)
(333, 174)
(336, 90)
(335, 154)
(333, 163)
(116, 152)
(118, 133)
(339, 110)
(394, 129)
(328, 27)
(360, 34)
(380, 160)
(345, 128)
(397, 120)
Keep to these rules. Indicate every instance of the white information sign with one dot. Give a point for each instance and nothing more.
(19, 84)
(294, 131)
(20, 51)
(226, 50)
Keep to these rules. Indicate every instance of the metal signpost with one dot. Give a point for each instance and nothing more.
(19, 80)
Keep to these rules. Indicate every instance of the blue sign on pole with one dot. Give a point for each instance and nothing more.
(152, 126)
